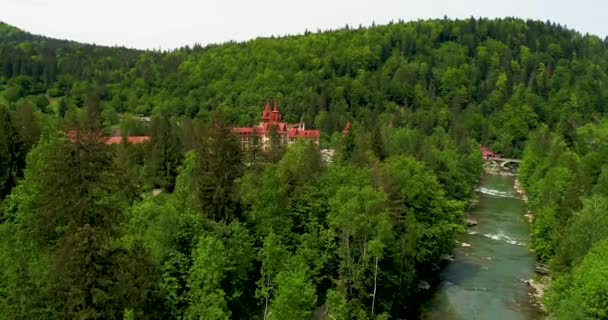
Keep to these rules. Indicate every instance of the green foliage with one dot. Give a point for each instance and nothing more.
(218, 166)
(265, 197)
(588, 227)
(337, 305)
(583, 294)
(295, 296)
(247, 236)
(8, 153)
(164, 153)
(272, 257)
(300, 165)
(566, 185)
(207, 299)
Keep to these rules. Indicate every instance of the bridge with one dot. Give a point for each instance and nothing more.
(489, 155)
(504, 161)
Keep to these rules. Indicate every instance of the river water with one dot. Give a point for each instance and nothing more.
(485, 280)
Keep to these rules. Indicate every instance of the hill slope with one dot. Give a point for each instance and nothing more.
(399, 194)
(515, 73)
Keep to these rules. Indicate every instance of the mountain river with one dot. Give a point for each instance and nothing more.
(485, 280)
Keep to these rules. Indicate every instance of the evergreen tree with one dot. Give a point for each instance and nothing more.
(8, 154)
(218, 166)
(164, 154)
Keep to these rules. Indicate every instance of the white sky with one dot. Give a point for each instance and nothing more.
(167, 24)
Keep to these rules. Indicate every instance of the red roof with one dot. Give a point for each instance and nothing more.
(487, 153)
(138, 139)
(73, 135)
(242, 130)
(114, 140)
(295, 133)
(130, 139)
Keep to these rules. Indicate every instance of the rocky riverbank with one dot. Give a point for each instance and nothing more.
(542, 280)
(494, 168)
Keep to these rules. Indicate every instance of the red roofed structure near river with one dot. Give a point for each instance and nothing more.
(487, 154)
(271, 120)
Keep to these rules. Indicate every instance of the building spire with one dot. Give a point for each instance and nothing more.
(275, 106)
(266, 112)
(347, 127)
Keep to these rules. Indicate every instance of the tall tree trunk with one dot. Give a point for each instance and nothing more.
(266, 307)
(375, 282)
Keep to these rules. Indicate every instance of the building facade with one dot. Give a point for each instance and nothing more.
(271, 124)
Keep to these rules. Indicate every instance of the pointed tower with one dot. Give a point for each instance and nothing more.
(347, 127)
(266, 113)
(276, 115)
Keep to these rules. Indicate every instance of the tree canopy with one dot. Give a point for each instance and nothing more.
(190, 225)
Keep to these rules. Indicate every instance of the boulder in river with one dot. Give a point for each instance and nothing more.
(424, 285)
(542, 269)
(447, 257)
(471, 222)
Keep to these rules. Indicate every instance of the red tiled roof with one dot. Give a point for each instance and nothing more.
(130, 139)
(295, 133)
(114, 140)
(138, 139)
(486, 153)
(73, 136)
(242, 130)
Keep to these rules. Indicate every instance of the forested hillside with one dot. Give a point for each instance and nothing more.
(567, 178)
(278, 233)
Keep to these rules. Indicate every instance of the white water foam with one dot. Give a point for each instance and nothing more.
(503, 237)
(496, 193)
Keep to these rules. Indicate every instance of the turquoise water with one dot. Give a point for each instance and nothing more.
(485, 279)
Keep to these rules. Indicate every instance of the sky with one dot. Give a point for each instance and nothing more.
(169, 24)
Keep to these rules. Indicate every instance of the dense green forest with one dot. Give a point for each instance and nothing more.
(279, 233)
(568, 186)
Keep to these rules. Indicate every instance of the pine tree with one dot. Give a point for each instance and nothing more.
(164, 154)
(218, 166)
(8, 154)
(377, 142)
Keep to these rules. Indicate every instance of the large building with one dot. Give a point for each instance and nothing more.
(73, 137)
(271, 123)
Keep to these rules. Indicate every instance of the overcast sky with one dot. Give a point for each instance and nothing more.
(167, 24)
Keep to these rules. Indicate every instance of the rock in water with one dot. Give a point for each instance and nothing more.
(542, 269)
(447, 257)
(471, 222)
(424, 285)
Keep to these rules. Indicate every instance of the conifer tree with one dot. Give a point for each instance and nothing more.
(218, 166)
(8, 154)
(164, 154)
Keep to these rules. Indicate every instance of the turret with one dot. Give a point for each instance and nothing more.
(276, 115)
(347, 127)
(266, 113)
